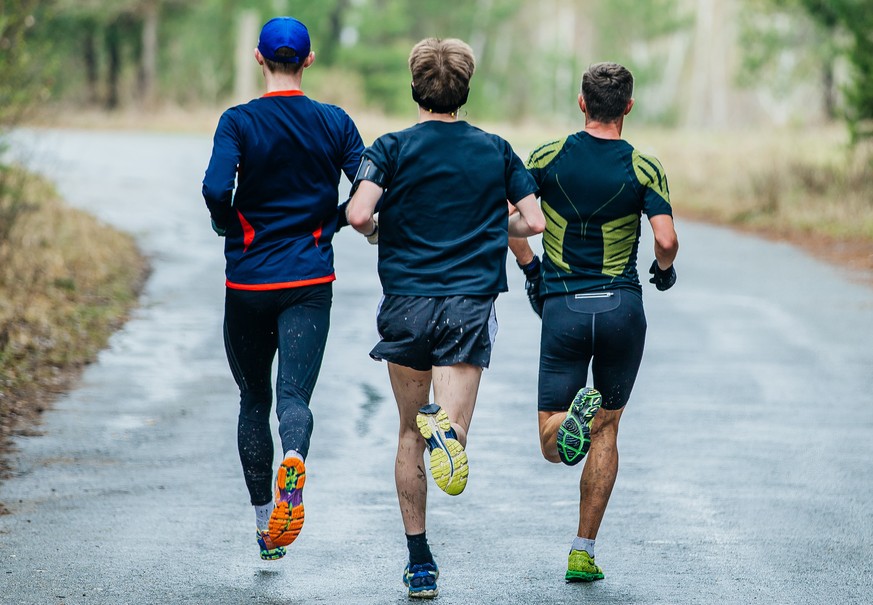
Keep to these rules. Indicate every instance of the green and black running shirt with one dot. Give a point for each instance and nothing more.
(593, 193)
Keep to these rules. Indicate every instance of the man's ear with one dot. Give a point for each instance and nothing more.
(630, 105)
(581, 103)
(309, 60)
(259, 57)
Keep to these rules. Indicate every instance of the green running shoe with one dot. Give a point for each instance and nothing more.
(448, 460)
(581, 567)
(574, 434)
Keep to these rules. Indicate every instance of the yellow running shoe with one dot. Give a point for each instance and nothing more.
(581, 567)
(448, 460)
(287, 518)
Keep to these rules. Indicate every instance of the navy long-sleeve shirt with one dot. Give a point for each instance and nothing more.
(282, 154)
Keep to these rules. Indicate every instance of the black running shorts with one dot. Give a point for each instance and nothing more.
(421, 332)
(604, 329)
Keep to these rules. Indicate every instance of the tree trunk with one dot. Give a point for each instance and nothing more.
(113, 73)
(89, 53)
(149, 64)
(244, 87)
(829, 89)
(327, 52)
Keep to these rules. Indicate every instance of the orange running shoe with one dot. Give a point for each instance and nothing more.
(287, 518)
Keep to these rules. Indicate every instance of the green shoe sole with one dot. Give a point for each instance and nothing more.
(583, 576)
(574, 434)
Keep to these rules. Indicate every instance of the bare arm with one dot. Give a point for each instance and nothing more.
(521, 250)
(519, 246)
(666, 242)
(529, 219)
(361, 207)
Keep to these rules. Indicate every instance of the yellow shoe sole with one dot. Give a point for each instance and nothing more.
(448, 460)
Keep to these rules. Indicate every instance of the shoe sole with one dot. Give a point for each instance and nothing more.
(273, 555)
(287, 518)
(426, 593)
(583, 576)
(574, 434)
(269, 554)
(448, 460)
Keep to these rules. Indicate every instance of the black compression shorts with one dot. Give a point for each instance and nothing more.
(604, 329)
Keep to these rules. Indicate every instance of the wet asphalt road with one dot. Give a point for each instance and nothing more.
(746, 448)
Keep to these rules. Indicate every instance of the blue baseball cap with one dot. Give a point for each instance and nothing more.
(284, 32)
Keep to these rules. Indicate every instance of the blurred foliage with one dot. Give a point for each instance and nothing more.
(19, 64)
(96, 52)
(141, 53)
(20, 84)
(786, 40)
(852, 20)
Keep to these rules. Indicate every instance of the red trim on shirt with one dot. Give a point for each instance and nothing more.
(248, 231)
(317, 234)
(282, 285)
(284, 93)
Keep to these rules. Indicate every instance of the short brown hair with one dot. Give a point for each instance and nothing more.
(441, 72)
(284, 68)
(607, 89)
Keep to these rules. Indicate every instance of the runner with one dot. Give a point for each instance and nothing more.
(594, 187)
(286, 153)
(442, 237)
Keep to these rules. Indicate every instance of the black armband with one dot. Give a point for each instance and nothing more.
(368, 171)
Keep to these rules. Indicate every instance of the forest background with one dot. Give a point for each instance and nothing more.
(697, 63)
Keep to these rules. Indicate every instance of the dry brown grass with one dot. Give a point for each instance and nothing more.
(67, 282)
(805, 181)
(809, 187)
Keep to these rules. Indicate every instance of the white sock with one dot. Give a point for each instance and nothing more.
(293, 454)
(262, 515)
(583, 544)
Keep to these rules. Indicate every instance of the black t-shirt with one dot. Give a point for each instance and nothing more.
(443, 217)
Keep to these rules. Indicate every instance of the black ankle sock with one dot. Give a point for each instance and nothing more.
(419, 551)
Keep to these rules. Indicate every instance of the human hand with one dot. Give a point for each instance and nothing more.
(373, 238)
(533, 275)
(220, 231)
(662, 278)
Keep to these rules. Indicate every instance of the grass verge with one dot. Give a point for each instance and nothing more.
(67, 281)
(808, 187)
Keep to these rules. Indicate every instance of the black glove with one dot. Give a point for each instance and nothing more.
(533, 275)
(662, 278)
(341, 218)
(220, 231)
